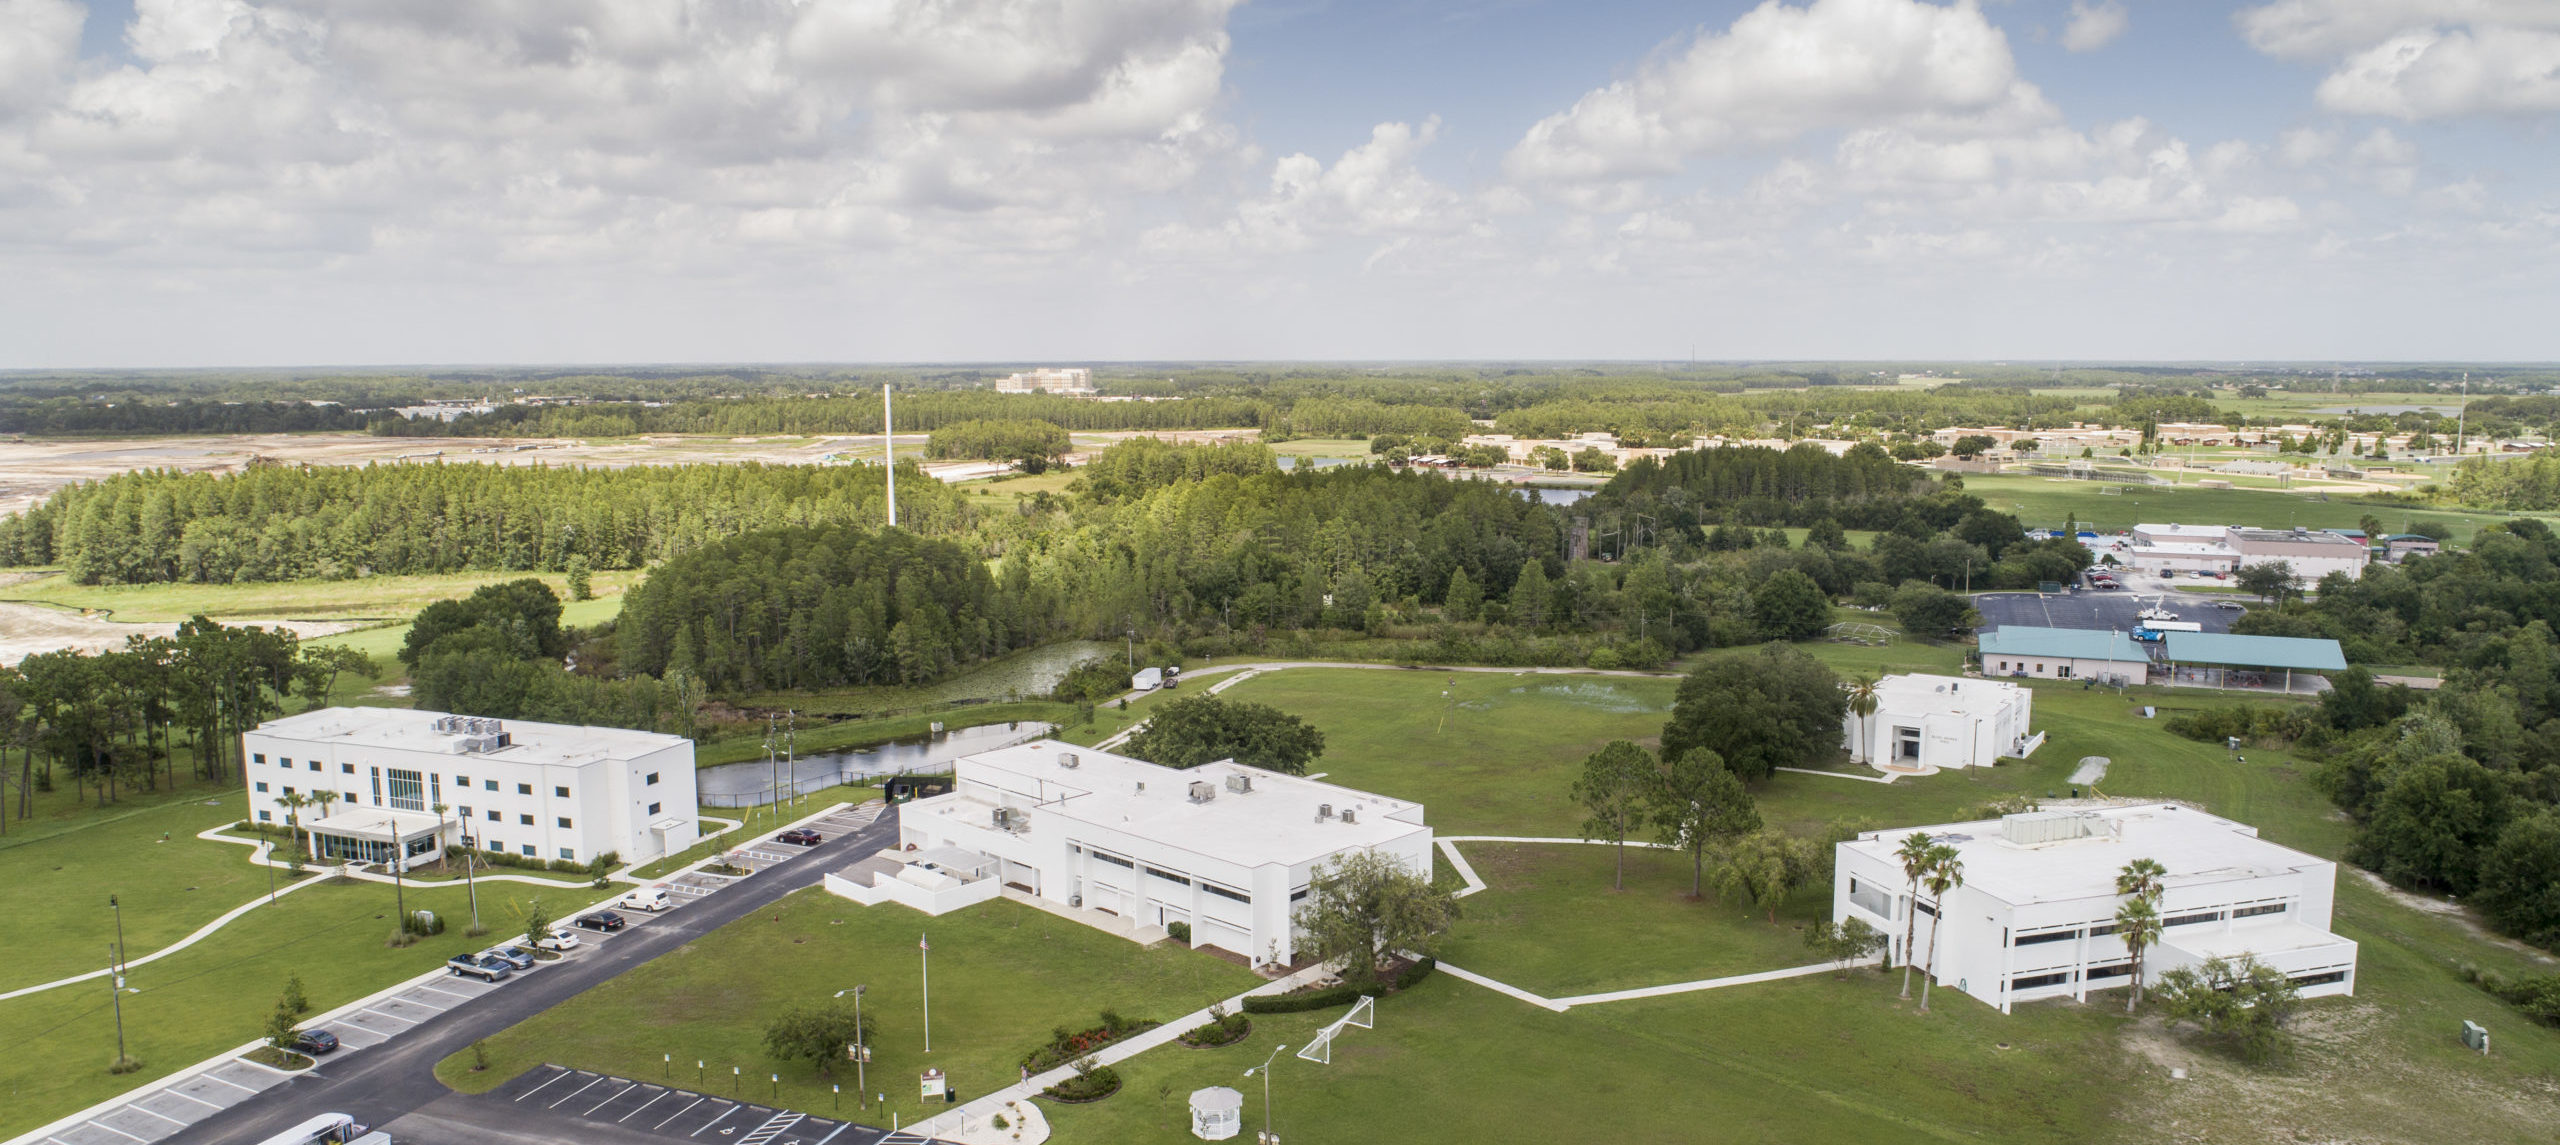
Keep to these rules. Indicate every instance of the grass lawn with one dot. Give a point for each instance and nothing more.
(2047, 501)
(1490, 754)
(1549, 922)
(1003, 975)
(216, 994)
(55, 895)
(382, 596)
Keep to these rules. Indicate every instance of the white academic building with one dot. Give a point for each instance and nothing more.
(2035, 917)
(532, 790)
(1225, 848)
(1923, 723)
(1070, 380)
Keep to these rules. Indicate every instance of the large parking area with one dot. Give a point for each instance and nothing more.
(663, 1110)
(2107, 611)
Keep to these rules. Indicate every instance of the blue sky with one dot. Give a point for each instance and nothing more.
(240, 182)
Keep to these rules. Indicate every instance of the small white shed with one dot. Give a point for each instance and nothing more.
(1927, 722)
(1147, 680)
(1217, 1113)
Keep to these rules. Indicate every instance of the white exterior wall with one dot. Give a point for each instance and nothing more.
(607, 805)
(2307, 570)
(2158, 560)
(2063, 667)
(1991, 723)
(1977, 953)
(1070, 861)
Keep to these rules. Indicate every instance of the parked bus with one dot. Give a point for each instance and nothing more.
(2150, 631)
(326, 1129)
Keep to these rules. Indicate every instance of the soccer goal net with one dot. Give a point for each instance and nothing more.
(1364, 1014)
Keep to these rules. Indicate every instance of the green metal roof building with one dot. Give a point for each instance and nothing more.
(2223, 660)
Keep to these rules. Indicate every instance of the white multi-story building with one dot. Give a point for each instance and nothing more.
(2312, 553)
(531, 790)
(1226, 849)
(1926, 722)
(2035, 917)
(1071, 380)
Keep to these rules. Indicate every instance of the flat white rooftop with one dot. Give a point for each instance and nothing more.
(2186, 533)
(1903, 695)
(1278, 821)
(407, 729)
(2197, 848)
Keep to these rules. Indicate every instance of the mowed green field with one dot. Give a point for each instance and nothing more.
(1003, 975)
(54, 895)
(216, 994)
(2048, 501)
(382, 596)
(1550, 922)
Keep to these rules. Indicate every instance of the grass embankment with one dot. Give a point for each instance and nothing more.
(850, 734)
(2049, 500)
(1003, 975)
(216, 994)
(379, 596)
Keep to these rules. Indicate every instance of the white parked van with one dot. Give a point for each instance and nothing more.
(651, 899)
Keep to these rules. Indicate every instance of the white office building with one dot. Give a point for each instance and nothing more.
(2035, 917)
(1922, 723)
(1071, 380)
(1226, 849)
(531, 790)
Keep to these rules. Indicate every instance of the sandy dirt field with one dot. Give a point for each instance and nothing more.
(27, 629)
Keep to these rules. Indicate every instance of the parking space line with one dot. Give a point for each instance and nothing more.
(464, 997)
(94, 1122)
(424, 1005)
(576, 1092)
(545, 1085)
(831, 1135)
(610, 1100)
(227, 1081)
(724, 1116)
(679, 1113)
(191, 1097)
(392, 1016)
(643, 1105)
(139, 1107)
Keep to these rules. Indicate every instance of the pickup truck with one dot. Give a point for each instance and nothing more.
(487, 970)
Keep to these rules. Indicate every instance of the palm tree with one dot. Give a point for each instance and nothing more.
(443, 862)
(323, 799)
(2142, 879)
(293, 802)
(1914, 855)
(1862, 704)
(1946, 873)
(2138, 924)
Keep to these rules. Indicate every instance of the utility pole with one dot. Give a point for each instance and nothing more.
(115, 990)
(889, 453)
(925, 946)
(2461, 412)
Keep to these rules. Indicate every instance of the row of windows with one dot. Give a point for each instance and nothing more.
(497, 847)
(2103, 929)
(460, 781)
(2063, 977)
(1169, 876)
(1224, 893)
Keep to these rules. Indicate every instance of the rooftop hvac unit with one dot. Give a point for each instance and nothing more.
(1203, 792)
(1324, 811)
(1067, 759)
(1004, 817)
(1240, 783)
(1350, 816)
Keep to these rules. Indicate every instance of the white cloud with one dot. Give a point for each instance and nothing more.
(2420, 59)
(2094, 26)
(1373, 191)
(38, 39)
(1779, 72)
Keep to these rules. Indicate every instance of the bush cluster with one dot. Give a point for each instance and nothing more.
(2259, 725)
(1342, 995)
(2537, 995)
(1066, 1045)
(1092, 1085)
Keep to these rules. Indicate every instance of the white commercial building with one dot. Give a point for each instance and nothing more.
(1922, 723)
(1073, 380)
(532, 790)
(2313, 553)
(1226, 849)
(2035, 917)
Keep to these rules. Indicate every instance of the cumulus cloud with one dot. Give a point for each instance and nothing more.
(1779, 72)
(2094, 26)
(2420, 59)
(38, 39)
(1373, 191)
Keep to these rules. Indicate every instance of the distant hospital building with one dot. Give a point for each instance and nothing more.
(1073, 380)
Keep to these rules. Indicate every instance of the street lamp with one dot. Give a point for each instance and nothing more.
(115, 990)
(118, 908)
(1267, 1137)
(399, 889)
(861, 1049)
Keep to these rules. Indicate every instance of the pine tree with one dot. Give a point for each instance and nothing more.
(1529, 597)
(1464, 599)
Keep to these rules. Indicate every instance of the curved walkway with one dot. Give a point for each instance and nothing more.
(264, 855)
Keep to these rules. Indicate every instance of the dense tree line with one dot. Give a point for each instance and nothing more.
(860, 413)
(2525, 484)
(72, 416)
(817, 608)
(108, 720)
(282, 523)
(1032, 444)
(1360, 417)
(1862, 488)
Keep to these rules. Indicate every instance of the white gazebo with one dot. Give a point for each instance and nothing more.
(1217, 1113)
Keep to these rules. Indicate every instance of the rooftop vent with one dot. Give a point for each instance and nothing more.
(1202, 792)
(2035, 827)
(1067, 759)
(1350, 815)
(1324, 811)
(1240, 783)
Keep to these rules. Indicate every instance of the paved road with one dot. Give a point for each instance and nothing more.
(392, 1081)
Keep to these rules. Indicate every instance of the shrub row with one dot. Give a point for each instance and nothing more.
(1066, 1045)
(1093, 1085)
(1331, 996)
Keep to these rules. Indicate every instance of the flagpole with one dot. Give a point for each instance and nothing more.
(924, 954)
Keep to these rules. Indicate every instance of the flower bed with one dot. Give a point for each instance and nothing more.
(1342, 995)
(1066, 1045)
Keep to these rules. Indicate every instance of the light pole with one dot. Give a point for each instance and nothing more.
(861, 1049)
(924, 946)
(399, 862)
(115, 990)
(1267, 1137)
(118, 908)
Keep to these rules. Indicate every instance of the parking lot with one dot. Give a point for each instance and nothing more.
(2105, 611)
(676, 1114)
(764, 852)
